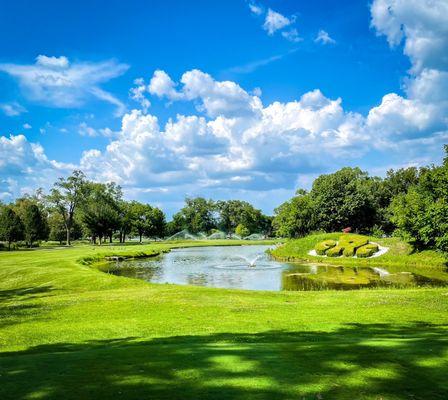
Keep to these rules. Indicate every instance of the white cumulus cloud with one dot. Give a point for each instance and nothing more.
(275, 21)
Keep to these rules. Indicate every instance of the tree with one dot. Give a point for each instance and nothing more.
(147, 220)
(125, 224)
(344, 198)
(198, 215)
(155, 223)
(66, 196)
(296, 217)
(242, 231)
(421, 214)
(11, 227)
(235, 212)
(35, 226)
(101, 210)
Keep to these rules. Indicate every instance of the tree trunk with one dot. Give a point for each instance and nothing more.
(68, 237)
(110, 237)
(140, 237)
(9, 245)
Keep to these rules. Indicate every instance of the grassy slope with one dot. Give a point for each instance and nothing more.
(69, 331)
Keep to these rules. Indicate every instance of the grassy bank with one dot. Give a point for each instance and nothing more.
(400, 253)
(70, 331)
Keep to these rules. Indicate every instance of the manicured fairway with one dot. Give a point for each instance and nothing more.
(69, 331)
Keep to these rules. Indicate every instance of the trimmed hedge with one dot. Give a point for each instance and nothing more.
(349, 251)
(335, 251)
(355, 241)
(348, 245)
(367, 251)
(322, 247)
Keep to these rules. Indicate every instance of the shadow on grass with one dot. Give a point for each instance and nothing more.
(17, 304)
(355, 362)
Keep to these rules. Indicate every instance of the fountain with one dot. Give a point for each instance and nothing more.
(182, 235)
(250, 262)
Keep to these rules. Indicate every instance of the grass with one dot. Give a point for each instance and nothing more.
(400, 253)
(69, 331)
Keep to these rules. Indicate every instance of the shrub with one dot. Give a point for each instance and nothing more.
(349, 251)
(367, 250)
(355, 241)
(335, 251)
(322, 247)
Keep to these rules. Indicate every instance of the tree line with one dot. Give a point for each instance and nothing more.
(77, 208)
(409, 202)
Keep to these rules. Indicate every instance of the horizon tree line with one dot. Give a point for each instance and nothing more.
(409, 202)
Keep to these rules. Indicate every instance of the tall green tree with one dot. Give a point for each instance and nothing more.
(100, 211)
(296, 217)
(34, 223)
(421, 214)
(11, 226)
(66, 196)
(198, 215)
(344, 198)
(236, 212)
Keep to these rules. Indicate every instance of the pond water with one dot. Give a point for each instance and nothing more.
(249, 267)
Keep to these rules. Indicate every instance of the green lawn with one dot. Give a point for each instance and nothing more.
(69, 331)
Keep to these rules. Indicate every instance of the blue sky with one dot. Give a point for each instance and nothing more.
(231, 99)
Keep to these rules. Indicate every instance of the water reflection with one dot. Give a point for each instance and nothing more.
(232, 267)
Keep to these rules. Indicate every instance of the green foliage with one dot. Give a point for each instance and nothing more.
(11, 226)
(347, 245)
(296, 217)
(64, 326)
(421, 214)
(35, 225)
(242, 231)
(235, 212)
(352, 240)
(335, 251)
(365, 251)
(147, 220)
(198, 215)
(66, 196)
(322, 247)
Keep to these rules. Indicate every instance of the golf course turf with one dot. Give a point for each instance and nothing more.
(70, 331)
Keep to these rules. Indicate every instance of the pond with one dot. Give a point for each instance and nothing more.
(250, 267)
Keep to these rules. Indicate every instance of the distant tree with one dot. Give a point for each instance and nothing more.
(242, 230)
(11, 226)
(100, 211)
(296, 217)
(155, 223)
(198, 215)
(399, 181)
(125, 224)
(421, 214)
(34, 223)
(235, 212)
(147, 220)
(56, 224)
(66, 196)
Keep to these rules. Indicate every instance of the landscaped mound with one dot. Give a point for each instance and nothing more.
(348, 245)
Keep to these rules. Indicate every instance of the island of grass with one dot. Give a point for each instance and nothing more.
(347, 245)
